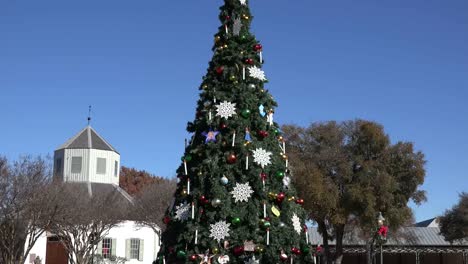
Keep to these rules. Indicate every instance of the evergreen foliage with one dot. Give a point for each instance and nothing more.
(349, 172)
(220, 156)
(454, 223)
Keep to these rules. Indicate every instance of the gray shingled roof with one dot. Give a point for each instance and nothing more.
(118, 195)
(87, 138)
(407, 236)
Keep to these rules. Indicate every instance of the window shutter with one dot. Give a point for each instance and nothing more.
(99, 248)
(127, 249)
(142, 250)
(113, 247)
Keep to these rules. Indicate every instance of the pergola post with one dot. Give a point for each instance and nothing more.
(417, 258)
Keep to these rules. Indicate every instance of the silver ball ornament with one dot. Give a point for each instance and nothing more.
(224, 180)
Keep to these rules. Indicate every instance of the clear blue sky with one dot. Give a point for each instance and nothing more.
(139, 63)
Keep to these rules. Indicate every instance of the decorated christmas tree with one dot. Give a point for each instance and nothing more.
(234, 202)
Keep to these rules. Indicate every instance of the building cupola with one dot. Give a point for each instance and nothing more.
(87, 157)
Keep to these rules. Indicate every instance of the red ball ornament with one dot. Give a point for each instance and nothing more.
(258, 47)
(202, 198)
(262, 134)
(239, 250)
(280, 197)
(167, 220)
(300, 201)
(249, 61)
(228, 17)
(231, 159)
(263, 176)
(223, 126)
(283, 257)
(295, 251)
(220, 70)
(193, 257)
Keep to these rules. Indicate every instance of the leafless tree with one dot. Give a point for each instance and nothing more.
(87, 217)
(152, 202)
(27, 206)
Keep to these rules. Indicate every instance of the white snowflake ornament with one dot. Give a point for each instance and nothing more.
(297, 223)
(226, 109)
(236, 28)
(219, 230)
(182, 211)
(242, 192)
(262, 157)
(257, 73)
(243, 2)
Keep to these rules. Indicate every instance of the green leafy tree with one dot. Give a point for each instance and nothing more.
(454, 223)
(349, 172)
(234, 171)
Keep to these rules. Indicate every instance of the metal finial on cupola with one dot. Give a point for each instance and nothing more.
(89, 115)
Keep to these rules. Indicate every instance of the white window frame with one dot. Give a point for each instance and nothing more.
(98, 160)
(116, 168)
(106, 245)
(135, 248)
(74, 168)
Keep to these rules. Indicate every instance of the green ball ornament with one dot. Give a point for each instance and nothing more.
(306, 250)
(246, 113)
(181, 254)
(236, 221)
(267, 224)
(252, 86)
(187, 157)
(280, 174)
(277, 131)
(232, 78)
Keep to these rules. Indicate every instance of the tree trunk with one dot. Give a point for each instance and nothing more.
(326, 247)
(339, 230)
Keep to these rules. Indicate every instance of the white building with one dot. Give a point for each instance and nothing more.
(89, 159)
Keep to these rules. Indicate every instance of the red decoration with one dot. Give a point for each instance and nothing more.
(283, 257)
(228, 17)
(239, 250)
(262, 134)
(167, 220)
(231, 159)
(263, 176)
(223, 126)
(193, 257)
(249, 61)
(295, 251)
(203, 200)
(319, 249)
(258, 47)
(383, 230)
(300, 201)
(280, 197)
(220, 70)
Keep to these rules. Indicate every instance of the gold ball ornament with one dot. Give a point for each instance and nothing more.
(215, 250)
(259, 249)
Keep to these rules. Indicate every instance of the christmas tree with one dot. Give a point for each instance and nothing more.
(234, 202)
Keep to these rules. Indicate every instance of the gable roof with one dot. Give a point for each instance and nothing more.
(87, 138)
(428, 223)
